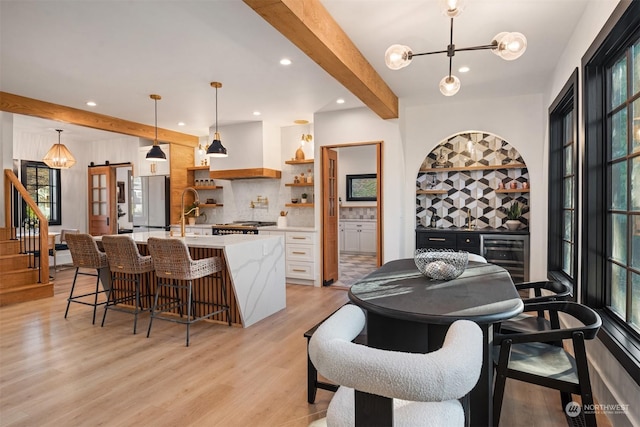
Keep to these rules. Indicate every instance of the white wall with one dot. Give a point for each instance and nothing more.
(360, 159)
(6, 154)
(361, 125)
(518, 120)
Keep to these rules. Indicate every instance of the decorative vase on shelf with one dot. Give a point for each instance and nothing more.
(512, 224)
(299, 154)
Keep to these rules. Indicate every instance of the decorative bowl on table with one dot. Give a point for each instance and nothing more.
(441, 264)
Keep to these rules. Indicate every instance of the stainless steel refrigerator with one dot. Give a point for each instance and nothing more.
(151, 201)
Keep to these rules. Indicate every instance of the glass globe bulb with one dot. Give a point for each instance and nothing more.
(397, 56)
(452, 8)
(510, 46)
(449, 85)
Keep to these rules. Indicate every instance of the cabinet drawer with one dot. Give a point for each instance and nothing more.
(437, 240)
(469, 242)
(360, 226)
(299, 252)
(300, 270)
(300, 237)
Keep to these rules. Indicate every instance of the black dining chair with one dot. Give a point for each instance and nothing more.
(527, 322)
(539, 357)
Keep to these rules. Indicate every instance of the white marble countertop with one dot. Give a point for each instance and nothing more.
(356, 220)
(201, 240)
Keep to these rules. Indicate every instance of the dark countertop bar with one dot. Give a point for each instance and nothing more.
(476, 231)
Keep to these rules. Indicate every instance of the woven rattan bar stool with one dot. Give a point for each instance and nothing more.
(176, 271)
(127, 266)
(86, 255)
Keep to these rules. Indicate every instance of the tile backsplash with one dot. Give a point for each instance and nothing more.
(471, 190)
(347, 212)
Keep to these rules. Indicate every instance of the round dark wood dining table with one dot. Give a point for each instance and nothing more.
(409, 312)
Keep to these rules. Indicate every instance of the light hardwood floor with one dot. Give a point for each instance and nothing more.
(68, 372)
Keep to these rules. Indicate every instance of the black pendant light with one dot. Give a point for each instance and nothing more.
(156, 154)
(216, 149)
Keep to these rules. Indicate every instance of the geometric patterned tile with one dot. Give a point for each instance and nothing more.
(472, 191)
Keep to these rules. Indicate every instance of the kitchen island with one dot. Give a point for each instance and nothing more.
(254, 271)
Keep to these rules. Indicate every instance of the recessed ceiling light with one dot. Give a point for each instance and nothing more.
(285, 61)
(339, 101)
(463, 69)
(180, 123)
(301, 122)
(91, 104)
(256, 113)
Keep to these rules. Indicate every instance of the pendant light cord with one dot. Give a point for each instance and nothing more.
(216, 109)
(451, 49)
(156, 110)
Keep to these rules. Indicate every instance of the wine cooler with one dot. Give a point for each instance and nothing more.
(508, 251)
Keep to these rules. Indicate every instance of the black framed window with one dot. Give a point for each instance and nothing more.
(611, 194)
(623, 167)
(43, 185)
(563, 184)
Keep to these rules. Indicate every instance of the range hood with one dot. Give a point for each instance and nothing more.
(254, 152)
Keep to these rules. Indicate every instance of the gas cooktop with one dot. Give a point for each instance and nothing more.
(246, 224)
(240, 227)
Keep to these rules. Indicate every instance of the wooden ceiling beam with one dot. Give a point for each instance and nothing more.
(308, 25)
(46, 110)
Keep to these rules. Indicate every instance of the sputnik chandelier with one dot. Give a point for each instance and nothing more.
(508, 46)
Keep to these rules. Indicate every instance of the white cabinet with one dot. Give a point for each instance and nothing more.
(146, 168)
(300, 260)
(360, 237)
(300, 255)
(341, 236)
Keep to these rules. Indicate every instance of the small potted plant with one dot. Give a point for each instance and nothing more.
(514, 212)
(303, 198)
(190, 213)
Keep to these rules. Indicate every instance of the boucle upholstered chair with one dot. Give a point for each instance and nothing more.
(86, 255)
(425, 387)
(477, 258)
(176, 271)
(127, 265)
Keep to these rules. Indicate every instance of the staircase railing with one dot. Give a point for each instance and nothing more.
(31, 228)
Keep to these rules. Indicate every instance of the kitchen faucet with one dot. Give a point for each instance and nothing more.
(196, 208)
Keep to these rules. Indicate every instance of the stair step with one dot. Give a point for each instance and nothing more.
(5, 233)
(14, 262)
(26, 293)
(9, 247)
(16, 278)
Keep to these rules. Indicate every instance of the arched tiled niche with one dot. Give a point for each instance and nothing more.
(465, 172)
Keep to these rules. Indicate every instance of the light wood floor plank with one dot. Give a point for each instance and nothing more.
(68, 372)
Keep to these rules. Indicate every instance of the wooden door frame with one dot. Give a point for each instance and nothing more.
(380, 196)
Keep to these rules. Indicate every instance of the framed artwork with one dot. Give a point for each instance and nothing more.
(362, 188)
